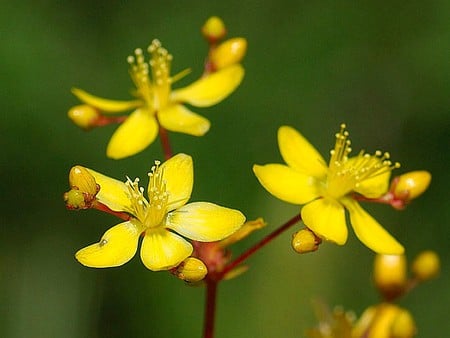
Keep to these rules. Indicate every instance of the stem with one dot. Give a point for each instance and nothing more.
(165, 143)
(210, 308)
(259, 245)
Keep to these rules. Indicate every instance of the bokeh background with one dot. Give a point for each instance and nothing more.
(380, 66)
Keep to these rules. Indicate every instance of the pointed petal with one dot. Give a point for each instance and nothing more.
(113, 193)
(326, 218)
(286, 184)
(163, 250)
(210, 89)
(180, 119)
(134, 135)
(178, 173)
(370, 232)
(116, 247)
(299, 154)
(375, 186)
(206, 222)
(106, 105)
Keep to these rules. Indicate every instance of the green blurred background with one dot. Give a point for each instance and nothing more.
(380, 66)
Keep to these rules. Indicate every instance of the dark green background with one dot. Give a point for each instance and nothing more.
(380, 66)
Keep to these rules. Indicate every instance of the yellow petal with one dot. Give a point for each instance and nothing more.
(206, 222)
(370, 232)
(178, 174)
(113, 193)
(117, 246)
(210, 89)
(163, 250)
(326, 218)
(137, 132)
(299, 154)
(180, 119)
(106, 105)
(376, 185)
(286, 184)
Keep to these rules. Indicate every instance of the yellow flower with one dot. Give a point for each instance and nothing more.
(326, 191)
(163, 218)
(157, 104)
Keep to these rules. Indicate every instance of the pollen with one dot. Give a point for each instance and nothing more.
(345, 174)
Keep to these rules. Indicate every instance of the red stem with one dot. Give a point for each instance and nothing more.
(258, 246)
(210, 308)
(100, 206)
(165, 143)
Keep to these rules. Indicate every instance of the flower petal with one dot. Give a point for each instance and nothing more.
(375, 186)
(163, 250)
(370, 232)
(206, 222)
(106, 105)
(210, 89)
(116, 247)
(326, 218)
(113, 193)
(180, 119)
(299, 154)
(134, 135)
(286, 183)
(178, 174)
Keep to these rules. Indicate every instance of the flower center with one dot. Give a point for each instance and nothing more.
(150, 213)
(345, 175)
(154, 89)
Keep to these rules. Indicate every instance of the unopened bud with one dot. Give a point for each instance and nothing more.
(214, 29)
(81, 178)
(305, 241)
(426, 265)
(228, 53)
(75, 199)
(243, 232)
(84, 116)
(191, 270)
(412, 184)
(403, 325)
(389, 274)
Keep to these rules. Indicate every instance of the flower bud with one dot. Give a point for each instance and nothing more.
(191, 270)
(74, 199)
(81, 179)
(403, 325)
(412, 184)
(214, 29)
(229, 52)
(243, 232)
(389, 274)
(305, 241)
(426, 265)
(84, 116)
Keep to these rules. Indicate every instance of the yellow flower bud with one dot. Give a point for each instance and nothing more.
(412, 184)
(426, 265)
(83, 116)
(81, 179)
(74, 199)
(229, 52)
(305, 241)
(191, 270)
(214, 29)
(403, 325)
(389, 274)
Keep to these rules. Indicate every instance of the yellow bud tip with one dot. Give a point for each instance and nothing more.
(74, 199)
(412, 184)
(84, 116)
(305, 241)
(243, 232)
(191, 270)
(81, 179)
(389, 274)
(426, 265)
(403, 325)
(214, 29)
(228, 53)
